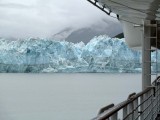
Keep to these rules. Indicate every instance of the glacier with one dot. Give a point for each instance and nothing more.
(101, 54)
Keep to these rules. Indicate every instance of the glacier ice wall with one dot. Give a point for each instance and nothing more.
(101, 54)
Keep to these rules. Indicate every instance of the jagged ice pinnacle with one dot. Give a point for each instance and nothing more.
(101, 54)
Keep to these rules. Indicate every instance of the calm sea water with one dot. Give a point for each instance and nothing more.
(62, 96)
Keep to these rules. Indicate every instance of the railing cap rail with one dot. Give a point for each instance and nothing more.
(123, 104)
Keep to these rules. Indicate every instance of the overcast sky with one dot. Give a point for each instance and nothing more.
(43, 18)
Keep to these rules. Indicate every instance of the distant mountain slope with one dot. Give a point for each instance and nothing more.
(63, 34)
(121, 35)
(85, 34)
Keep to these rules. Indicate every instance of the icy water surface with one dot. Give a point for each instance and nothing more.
(62, 96)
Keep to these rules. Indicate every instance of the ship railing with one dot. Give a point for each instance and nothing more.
(141, 106)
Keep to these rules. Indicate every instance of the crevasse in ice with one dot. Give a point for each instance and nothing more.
(101, 54)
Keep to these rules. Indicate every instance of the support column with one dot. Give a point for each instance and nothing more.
(146, 55)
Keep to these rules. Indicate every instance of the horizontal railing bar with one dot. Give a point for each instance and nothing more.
(137, 117)
(105, 108)
(149, 112)
(154, 112)
(143, 102)
(151, 100)
(158, 89)
(138, 107)
(113, 110)
(157, 79)
(154, 105)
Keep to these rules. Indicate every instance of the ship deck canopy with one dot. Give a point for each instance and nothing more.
(142, 9)
(133, 12)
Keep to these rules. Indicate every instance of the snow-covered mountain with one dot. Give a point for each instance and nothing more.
(63, 34)
(85, 34)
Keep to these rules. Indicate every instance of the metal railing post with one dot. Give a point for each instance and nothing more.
(140, 106)
(158, 97)
(130, 110)
(135, 108)
(125, 112)
(114, 116)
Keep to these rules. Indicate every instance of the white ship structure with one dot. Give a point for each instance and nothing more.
(141, 26)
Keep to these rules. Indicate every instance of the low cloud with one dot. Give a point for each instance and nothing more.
(43, 18)
(13, 5)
